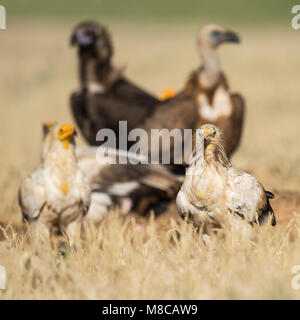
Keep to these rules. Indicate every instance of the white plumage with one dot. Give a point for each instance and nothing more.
(56, 196)
(213, 190)
(138, 188)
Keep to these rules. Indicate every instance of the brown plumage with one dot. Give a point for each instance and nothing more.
(209, 86)
(204, 98)
(177, 113)
(131, 187)
(106, 96)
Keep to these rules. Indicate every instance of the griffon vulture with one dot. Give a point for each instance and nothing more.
(205, 98)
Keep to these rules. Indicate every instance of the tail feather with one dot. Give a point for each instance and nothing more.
(268, 212)
(270, 195)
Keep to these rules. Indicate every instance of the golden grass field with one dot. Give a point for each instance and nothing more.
(167, 259)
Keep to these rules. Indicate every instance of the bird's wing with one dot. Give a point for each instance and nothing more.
(175, 114)
(32, 195)
(246, 196)
(78, 104)
(122, 101)
(122, 180)
(147, 186)
(137, 182)
(85, 191)
(158, 177)
(88, 163)
(238, 114)
(183, 205)
(133, 93)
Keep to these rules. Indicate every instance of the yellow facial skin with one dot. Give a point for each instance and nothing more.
(209, 136)
(65, 134)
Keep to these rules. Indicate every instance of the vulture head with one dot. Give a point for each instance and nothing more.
(209, 134)
(92, 39)
(212, 35)
(63, 133)
(66, 132)
(209, 143)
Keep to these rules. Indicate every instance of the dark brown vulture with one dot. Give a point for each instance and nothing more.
(105, 96)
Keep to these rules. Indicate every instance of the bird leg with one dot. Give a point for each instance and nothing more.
(73, 230)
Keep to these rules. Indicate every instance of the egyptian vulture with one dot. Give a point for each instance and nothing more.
(204, 98)
(213, 190)
(56, 196)
(131, 187)
(105, 96)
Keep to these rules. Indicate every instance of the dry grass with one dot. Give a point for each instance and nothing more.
(38, 72)
(119, 262)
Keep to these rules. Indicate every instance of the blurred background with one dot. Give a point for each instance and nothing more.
(156, 41)
(230, 11)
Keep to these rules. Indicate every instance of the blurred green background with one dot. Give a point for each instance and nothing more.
(250, 12)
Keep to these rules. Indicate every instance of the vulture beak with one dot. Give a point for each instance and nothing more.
(231, 36)
(81, 38)
(66, 131)
(209, 132)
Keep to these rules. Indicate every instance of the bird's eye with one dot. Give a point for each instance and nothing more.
(216, 34)
(214, 132)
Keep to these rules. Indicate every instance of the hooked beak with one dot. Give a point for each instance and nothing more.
(66, 131)
(231, 36)
(81, 38)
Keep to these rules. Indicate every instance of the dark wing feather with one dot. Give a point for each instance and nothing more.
(134, 94)
(270, 195)
(238, 115)
(180, 113)
(79, 112)
(146, 185)
(267, 210)
(121, 101)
